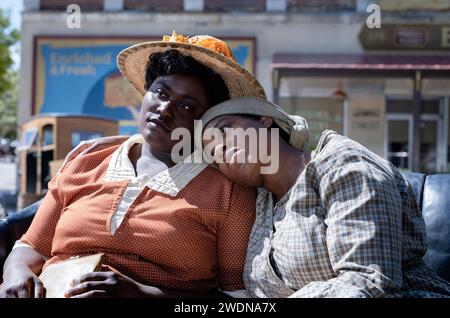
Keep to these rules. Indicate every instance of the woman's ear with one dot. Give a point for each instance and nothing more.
(266, 121)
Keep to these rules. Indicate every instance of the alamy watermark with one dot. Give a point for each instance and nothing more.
(230, 145)
(373, 21)
(73, 20)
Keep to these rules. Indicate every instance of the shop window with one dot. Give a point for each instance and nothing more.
(320, 113)
(398, 143)
(428, 146)
(405, 106)
(29, 138)
(47, 135)
(400, 135)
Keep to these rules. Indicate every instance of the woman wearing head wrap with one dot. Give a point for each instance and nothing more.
(342, 222)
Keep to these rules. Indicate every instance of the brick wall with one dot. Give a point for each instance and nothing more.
(321, 5)
(235, 5)
(415, 5)
(210, 5)
(153, 5)
(61, 5)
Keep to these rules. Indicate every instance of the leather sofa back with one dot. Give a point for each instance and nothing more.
(436, 212)
(432, 193)
(12, 228)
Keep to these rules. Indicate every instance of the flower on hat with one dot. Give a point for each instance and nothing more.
(175, 38)
(205, 41)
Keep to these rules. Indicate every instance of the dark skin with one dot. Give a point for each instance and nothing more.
(292, 161)
(180, 99)
(172, 101)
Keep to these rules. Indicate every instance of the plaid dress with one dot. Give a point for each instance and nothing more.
(349, 227)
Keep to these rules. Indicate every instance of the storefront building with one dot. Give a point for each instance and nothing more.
(387, 88)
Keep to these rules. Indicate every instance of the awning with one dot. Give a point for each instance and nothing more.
(362, 64)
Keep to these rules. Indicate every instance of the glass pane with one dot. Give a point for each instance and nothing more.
(398, 143)
(405, 106)
(321, 114)
(28, 139)
(398, 106)
(46, 158)
(31, 171)
(428, 146)
(430, 106)
(47, 135)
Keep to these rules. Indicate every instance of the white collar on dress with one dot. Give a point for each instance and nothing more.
(170, 181)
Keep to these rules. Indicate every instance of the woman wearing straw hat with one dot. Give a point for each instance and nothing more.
(159, 232)
(340, 223)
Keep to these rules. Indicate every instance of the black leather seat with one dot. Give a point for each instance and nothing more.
(12, 229)
(432, 193)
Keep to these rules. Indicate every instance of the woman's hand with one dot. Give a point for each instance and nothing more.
(106, 284)
(109, 284)
(21, 283)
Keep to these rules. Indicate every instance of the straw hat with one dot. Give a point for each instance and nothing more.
(206, 49)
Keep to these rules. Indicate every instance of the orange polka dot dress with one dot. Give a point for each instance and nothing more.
(194, 240)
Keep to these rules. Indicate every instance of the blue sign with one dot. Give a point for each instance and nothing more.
(80, 76)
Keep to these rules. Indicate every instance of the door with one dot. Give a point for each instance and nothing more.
(430, 141)
(398, 144)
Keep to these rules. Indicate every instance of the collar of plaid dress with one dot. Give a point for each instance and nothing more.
(295, 126)
(207, 50)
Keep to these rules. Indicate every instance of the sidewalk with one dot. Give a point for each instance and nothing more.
(8, 187)
(8, 176)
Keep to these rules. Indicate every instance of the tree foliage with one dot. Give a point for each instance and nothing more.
(8, 108)
(8, 79)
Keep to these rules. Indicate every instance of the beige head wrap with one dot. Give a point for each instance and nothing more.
(295, 126)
